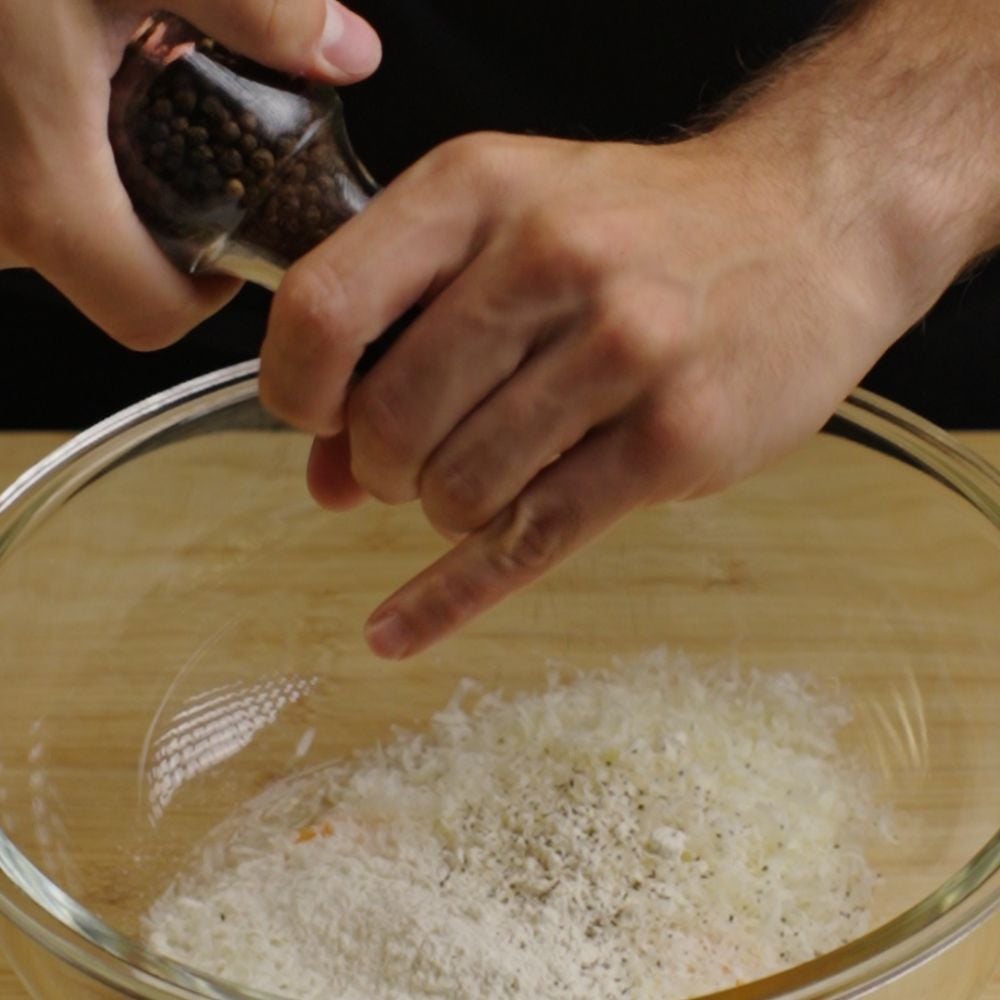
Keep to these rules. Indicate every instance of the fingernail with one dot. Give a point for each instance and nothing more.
(388, 635)
(349, 45)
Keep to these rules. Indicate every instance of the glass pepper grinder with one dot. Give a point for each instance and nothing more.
(234, 168)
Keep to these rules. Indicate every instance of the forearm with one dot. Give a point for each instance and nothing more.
(894, 121)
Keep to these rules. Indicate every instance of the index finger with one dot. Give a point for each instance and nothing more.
(97, 253)
(404, 246)
(569, 504)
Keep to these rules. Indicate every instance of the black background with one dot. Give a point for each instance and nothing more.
(637, 70)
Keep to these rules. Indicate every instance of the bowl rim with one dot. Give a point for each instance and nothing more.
(52, 919)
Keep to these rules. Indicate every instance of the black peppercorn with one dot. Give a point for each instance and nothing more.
(262, 161)
(312, 216)
(185, 99)
(285, 146)
(210, 178)
(231, 162)
(162, 109)
(213, 109)
(288, 194)
(230, 132)
(201, 155)
(184, 180)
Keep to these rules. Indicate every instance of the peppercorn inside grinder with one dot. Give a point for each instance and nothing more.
(234, 168)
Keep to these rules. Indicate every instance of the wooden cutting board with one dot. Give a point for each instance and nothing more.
(18, 450)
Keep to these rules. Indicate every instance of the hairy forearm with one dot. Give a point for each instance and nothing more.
(894, 120)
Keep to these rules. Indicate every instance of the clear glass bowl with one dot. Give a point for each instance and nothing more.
(182, 627)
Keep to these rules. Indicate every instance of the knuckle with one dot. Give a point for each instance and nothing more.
(382, 446)
(383, 488)
(480, 158)
(307, 332)
(276, 399)
(281, 396)
(455, 497)
(568, 244)
(534, 536)
(151, 333)
(447, 600)
(379, 429)
(672, 427)
(310, 307)
(660, 434)
(385, 492)
(622, 332)
(681, 441)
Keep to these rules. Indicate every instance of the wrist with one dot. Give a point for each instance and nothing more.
(889, 135)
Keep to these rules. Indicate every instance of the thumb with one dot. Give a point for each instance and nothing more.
(316, 38)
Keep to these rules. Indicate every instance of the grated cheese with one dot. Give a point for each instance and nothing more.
(656, 831)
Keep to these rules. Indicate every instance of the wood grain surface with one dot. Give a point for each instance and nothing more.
(20, 450)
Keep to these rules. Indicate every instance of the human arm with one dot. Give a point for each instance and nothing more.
(63, 210)
(609, 325)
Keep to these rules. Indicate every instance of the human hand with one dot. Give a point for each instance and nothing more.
(63, 210)
(603, 326)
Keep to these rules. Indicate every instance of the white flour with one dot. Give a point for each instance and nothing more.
(655, 832)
